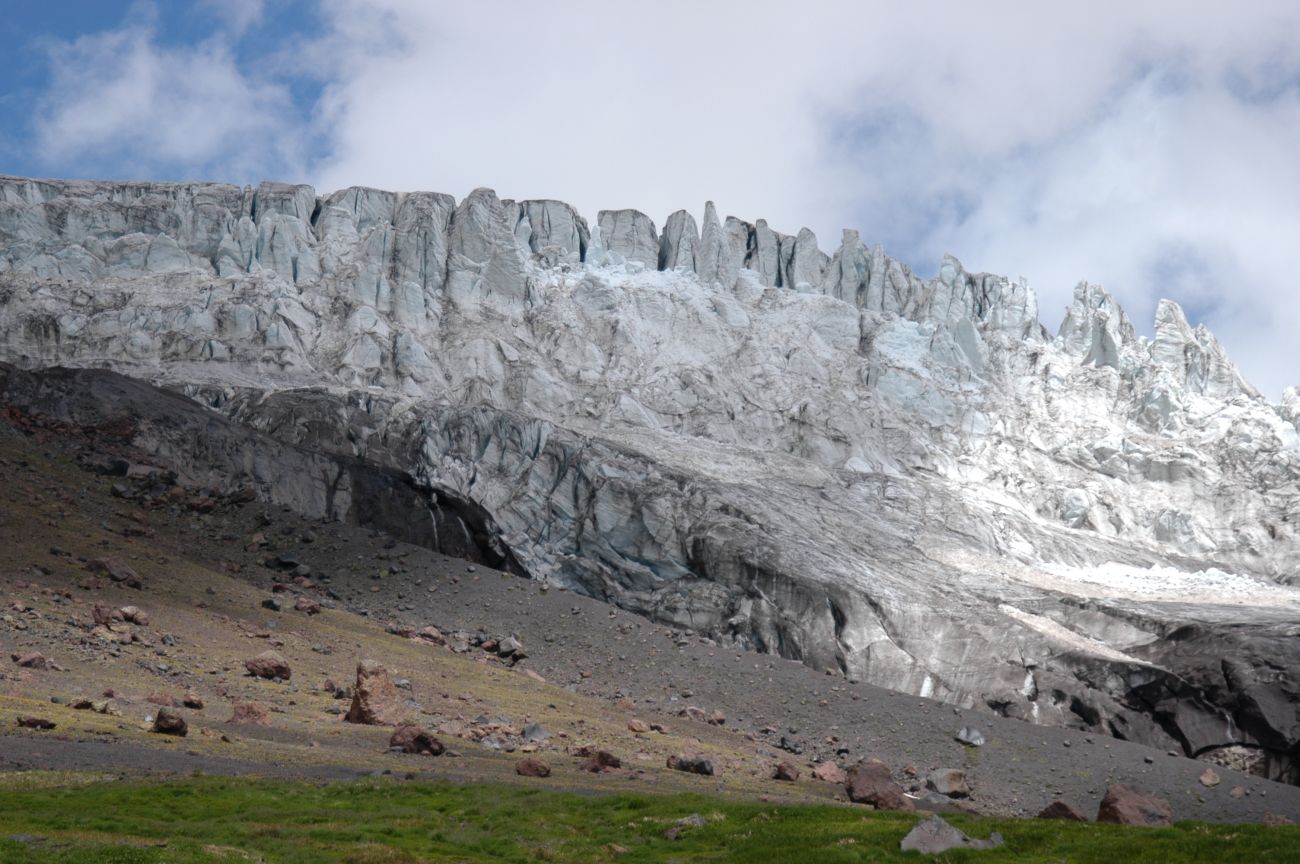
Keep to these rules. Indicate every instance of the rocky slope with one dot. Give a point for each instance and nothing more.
(821, 456)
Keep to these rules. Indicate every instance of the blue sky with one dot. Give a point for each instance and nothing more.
(1149, 147)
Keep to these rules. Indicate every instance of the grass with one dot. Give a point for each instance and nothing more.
(385, 820)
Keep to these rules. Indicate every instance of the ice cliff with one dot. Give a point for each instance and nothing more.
(909, 481)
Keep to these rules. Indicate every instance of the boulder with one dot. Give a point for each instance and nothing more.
(35, 660)
(192, 699)
(1124, 805)
(134, 615)
(948, 781)
(934, 835)
(412, 738)
(374, 698)
(306, 604)
(532, 767)
(640, 727)
(168, 722)
(970, 736)
(1061, 810)
(786, 772)
(829, 772)
(268, 664)
(250, 714)
(117, 570)
(691, 763)
(1209, 777)
(873, 783)
(601, 762)
(31, 722)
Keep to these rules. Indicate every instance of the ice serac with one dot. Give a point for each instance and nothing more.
(803, 264)
(764, 256)
(901, 479)
(678, 244)
(1194, 357)
(630, 233)
(553, 229)
(485, 262)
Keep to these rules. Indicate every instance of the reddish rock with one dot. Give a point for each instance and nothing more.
(160, 699)
(431, 635)
(374, 699)
(1209, 777)
(35, 660)
(602, 761)
(717, 718)
(411, 738)
(250, 714)
(168, 722)
(1061, 810)
(691, 763)
(829, 772)
(1125, 805)
(36, 723)
(872, 783)
(117, 570)
(640, 727)
(192, 700)
(306, 604)
(690, 712)
(102, 614)
(786, 772)
(531, 767)
(268, 664)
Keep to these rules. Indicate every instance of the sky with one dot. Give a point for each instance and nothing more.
(1151, 147)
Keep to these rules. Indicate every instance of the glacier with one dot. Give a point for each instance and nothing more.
(906, 481)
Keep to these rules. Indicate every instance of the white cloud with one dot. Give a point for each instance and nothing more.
(121, 103)
(1108, 142)
(238, 15)
(1149, 146)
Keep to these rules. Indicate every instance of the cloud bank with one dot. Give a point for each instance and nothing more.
(1149, 147)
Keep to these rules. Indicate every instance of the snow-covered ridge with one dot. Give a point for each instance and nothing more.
(722, 426)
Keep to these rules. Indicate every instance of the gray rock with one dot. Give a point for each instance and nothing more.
(948, 781)
(971, 736)
(934, 835)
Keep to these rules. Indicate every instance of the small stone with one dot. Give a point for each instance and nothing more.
(31, 722)
(168, 722)
(532, 767)
(948, 781)
(1061, 810)
(268, 664)
(691, 763)
(829, 772)
(934, 835)
(1209, 778)
(411, 738)
(601, 762)
(1125, 805)
(250, 714)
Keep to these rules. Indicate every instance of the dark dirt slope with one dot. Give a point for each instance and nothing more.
(202, 555)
